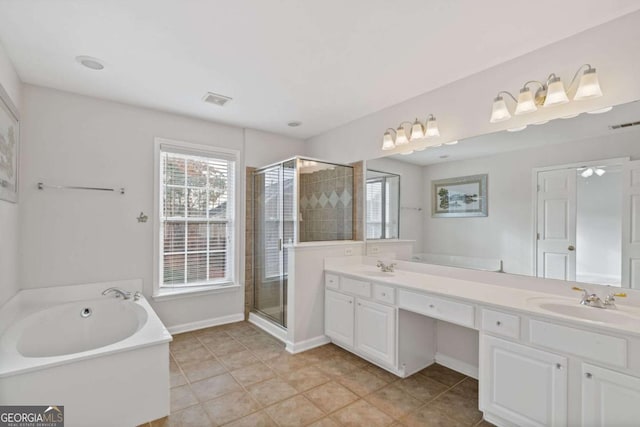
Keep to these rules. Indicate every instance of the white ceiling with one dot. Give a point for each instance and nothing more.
(557, 131)
(324, 63)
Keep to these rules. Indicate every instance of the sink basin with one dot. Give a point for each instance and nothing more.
(376, 273)
(574, 310)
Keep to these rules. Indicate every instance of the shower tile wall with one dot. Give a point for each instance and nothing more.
(358, 196)
(326, 204)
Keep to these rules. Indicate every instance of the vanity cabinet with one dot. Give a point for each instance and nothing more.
(376, 330)
(523, 385)
(609, 398)
(361, 325)
(339, 317)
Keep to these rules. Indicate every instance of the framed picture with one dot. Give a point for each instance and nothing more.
(9, 148)
(459, 197)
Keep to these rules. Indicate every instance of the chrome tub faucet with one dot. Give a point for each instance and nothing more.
(119, 293)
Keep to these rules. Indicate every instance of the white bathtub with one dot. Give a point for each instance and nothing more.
(104, 358)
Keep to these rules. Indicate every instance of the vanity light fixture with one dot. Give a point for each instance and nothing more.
(393, 138)
(550, 93)
(587, 172)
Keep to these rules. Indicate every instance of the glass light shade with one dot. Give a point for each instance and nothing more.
(555, 93)
(587, 173)
(401, 136)
(600, 172)
(417, 130)
(589, 86)
(432, 127)
(387, 141)
(499, 111)
(526, 103)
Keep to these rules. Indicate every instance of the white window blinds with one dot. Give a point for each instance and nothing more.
(197, 217)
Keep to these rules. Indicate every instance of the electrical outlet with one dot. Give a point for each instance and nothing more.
(375, 250)
(348, 251)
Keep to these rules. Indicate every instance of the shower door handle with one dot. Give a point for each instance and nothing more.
(280, 245)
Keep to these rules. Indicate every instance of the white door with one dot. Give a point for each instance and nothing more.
(609, 398)
(556, 224)
(525, 386)
(631, 225)
(376, 330)
(338, 317)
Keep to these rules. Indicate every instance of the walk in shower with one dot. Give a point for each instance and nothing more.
(296, 200)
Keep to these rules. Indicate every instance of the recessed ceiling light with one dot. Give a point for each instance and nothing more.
(91, 63)
(294, 124)
(216, 99)
(600, 111)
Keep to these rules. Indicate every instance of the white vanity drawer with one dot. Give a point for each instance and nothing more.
(384, 294)
(357, 287)
(438, 308)
(332, 281)
(499, 323)
(592, 345)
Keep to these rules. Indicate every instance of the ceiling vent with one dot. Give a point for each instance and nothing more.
(624, 125)
(215, 99)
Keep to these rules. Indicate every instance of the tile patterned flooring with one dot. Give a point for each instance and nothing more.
(237, 375)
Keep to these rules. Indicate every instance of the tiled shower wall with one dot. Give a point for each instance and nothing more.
(326, 204)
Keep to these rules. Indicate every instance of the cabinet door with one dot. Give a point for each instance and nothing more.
(376, 330)
(609, 398)
(338, 317)
(525, 386)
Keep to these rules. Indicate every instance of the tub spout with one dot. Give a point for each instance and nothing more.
(119, 293)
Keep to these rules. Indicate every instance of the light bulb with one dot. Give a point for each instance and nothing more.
(417, 131)
(499, 111)
(556, 94)
(401, 136)
(589, 86)
(387, 141)
(526, 103)
(432, 127)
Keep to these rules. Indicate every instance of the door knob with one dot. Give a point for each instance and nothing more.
(571, 248)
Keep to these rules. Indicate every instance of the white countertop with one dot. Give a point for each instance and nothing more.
(497, 296)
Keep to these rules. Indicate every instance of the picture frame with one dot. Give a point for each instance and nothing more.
(9, 148)
(459, 197)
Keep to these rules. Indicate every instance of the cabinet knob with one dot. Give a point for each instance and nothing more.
(350, 302)
(359, 304)
(384, 294)
(558, 366)
(431, 306)
(498, 323)
(588, 375)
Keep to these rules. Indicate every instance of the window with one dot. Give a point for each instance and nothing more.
(382, 195)
(196, 188)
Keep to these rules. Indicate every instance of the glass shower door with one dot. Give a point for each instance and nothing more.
(269, 255)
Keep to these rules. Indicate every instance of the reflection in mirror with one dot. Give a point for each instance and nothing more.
(563, 200)
(383, 205)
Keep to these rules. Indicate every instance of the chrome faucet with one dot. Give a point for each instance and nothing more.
(593, 300)
(119, 293)
(386, 268)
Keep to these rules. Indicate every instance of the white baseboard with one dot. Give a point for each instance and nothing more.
(269, 327)
(207, 323)
(457, 365)
(305, 345)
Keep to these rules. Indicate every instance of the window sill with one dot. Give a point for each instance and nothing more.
(196, 291)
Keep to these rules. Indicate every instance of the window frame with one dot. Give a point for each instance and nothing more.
(237, 221)
(383, 179)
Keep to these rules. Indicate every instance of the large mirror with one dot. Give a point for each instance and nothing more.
(557, 200)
